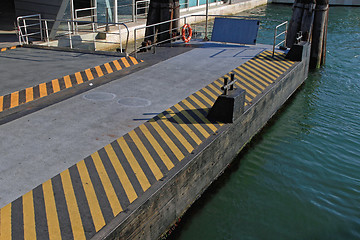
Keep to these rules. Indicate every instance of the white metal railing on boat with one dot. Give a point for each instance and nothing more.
(277, 35)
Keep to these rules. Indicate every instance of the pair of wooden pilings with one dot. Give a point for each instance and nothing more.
(310, 17)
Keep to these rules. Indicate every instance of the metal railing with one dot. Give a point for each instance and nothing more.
(26, 29)
(143, 7)
(67, 32)
(276, 36)
(92, 16)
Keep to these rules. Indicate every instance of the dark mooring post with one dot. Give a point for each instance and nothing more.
(318, 43)
(295, 23)
(161, 11)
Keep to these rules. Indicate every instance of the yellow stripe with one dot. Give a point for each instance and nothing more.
(89, 74)
(144, 152)
(250, 78)
(5, 222)
(108, 187)
(79, 78)
(99, 71)
(14, 100)
(55, 85)
(200, 115)
(279, 62)
(202, 96)
(42, 90)
(3, 49)
(269, 60)
(67, 81)
(178, 154)
(197, 101)
(133, 60)
(13, 47)
(117, 65)
(210, 93)
(1, 103)
(177, 134)
(263, 78)
(91, 197)
(185, 127)
(108, 68)
(29, 216)
(51, 212)
(218, 91)
(257, 65)
(29, 94)
(125, 182)
(140, 175)
(281, 56)
(126, 63)
(193, 121)
(270, 67)
(72, 206)
(157, 147)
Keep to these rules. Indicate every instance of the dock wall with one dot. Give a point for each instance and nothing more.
(155, 215)
(331, 2)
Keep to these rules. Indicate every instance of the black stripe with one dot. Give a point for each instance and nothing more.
(245, 83)
(73, 79)
(207, 95)
(103, 69)
(62, 83)
(119, 189)
(189, 124)
(121, 63)
(162, 143)
(61, 207)
(193, 114)
(84, 209)
(180, 129)
(129, 172)
(17, 220)
(200, 99)
(49, 88)
(212, 91)
(6, 101)
(269, 65)
(138, 156)
(175, 140)
(22, 96)
(40, 214)
(261, 80)
(202, 111)
(151, 151)
(36, 92)
(84, 76)
(99, 190)
(112, 66)
(275, 65)
(248, 81)
(265, 70)
(94, 72)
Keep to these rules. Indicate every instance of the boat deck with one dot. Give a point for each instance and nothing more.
(78, 167)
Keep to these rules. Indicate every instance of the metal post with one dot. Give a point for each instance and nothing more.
(232, 76)
(115, 11)
(25, 30)
(225, 86)
(206, 23)
(135, 43)
(47, 33)
(133, 10)
(69, 28)
(273, 51)
(107, 20)
(41, 30)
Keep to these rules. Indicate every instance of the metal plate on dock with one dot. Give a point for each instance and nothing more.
(235, 30)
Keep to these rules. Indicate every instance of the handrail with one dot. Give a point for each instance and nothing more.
(147, 2)
(24, 37)
(278, 35)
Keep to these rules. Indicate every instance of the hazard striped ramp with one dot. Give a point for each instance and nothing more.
(80, 201)
(30, 94)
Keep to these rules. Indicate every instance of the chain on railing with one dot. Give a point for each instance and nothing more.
(279, 35)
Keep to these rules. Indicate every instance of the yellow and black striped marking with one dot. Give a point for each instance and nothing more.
(80, 201)
(44, 89)
(9, 48)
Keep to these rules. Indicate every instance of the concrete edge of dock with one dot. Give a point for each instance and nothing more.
(158, 210)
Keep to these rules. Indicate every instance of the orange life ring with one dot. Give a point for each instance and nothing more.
(184, 38)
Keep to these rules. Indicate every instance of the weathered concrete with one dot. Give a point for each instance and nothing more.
(174, 195)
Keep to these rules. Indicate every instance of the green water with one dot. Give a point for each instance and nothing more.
(300, 177)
